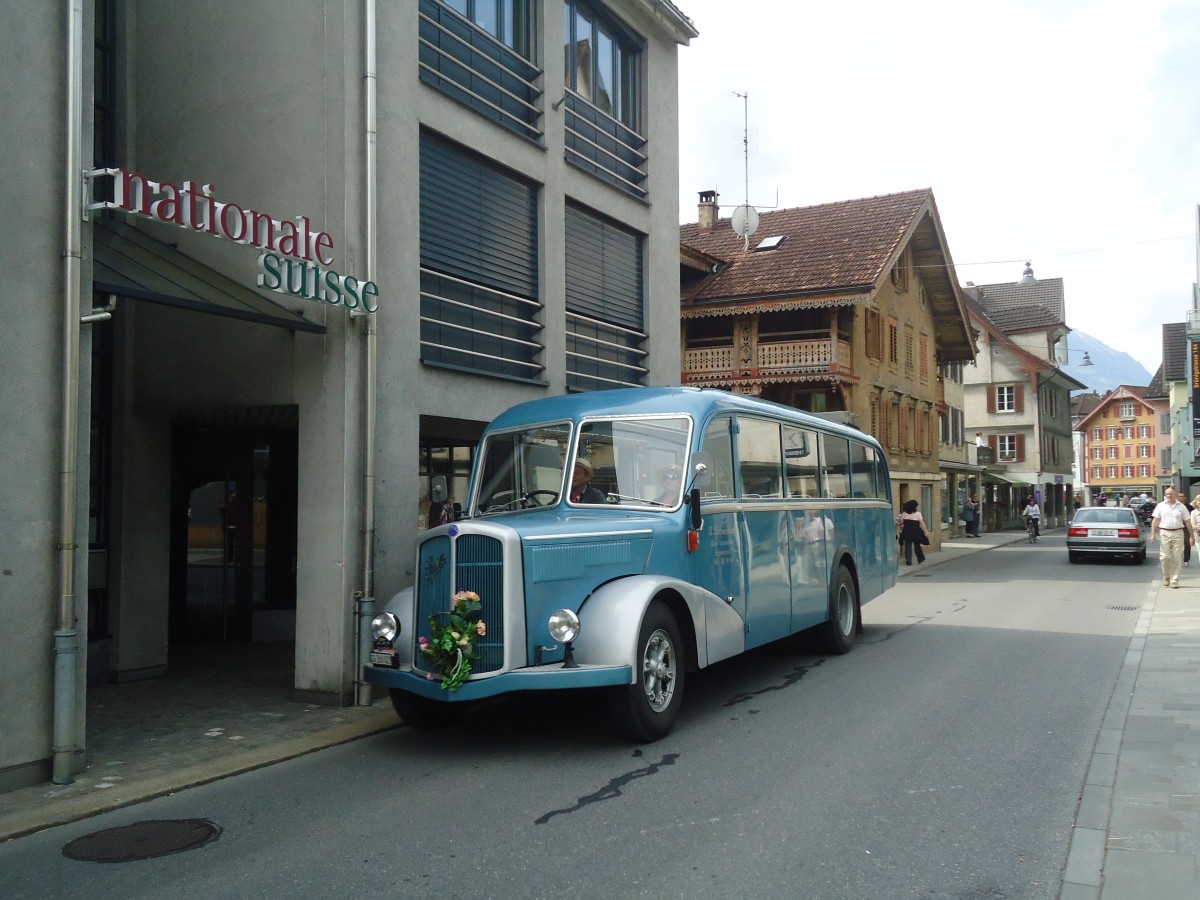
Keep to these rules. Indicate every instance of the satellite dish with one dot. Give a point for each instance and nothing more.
(745, 221)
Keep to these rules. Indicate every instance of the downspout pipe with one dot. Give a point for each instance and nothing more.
(366, 598)
(65, 642)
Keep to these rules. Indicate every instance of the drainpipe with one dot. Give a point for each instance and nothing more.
(65, 647)
(366, 599)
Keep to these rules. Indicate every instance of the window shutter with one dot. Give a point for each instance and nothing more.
(1019, 397)
(1020, 439)
(992, 443)
(991, 398)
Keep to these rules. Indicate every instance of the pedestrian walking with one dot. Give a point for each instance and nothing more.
(1171, 526)
(912, 532)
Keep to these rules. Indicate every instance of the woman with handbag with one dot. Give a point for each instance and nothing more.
(912, 532)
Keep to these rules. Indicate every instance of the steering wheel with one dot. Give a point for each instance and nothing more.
(529, 497)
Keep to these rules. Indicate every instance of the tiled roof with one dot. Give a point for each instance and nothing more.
(1174, 350)
(1157, 389)
(832, 248)
(833, 254)
(1083, 404)
(1018, 307)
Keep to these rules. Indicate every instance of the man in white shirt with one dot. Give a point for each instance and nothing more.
(1171, 520)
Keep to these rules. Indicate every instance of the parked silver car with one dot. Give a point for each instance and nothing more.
(1106, 531)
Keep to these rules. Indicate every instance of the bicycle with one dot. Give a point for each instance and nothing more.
(1031, 527)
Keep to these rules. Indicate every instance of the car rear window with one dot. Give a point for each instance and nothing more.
(1115, 516)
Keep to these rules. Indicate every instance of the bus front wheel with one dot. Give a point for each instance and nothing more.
(646, 710)
(837, 634)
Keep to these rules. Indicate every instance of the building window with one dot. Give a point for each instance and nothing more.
(1114, 452)
(873, 349)
(1112, 471)
(1128, 410)
(1006, 447)
(1128, 432)
(477, 51)
(1097, 434)
(605, 318)
(908, 349)
(923, 352)
(1114, 433)
(1006, 398)
(1143, 451)
(893, 342)
(603, 62)
(1097, 453)
(479, 291)
(1144, 471)
(1143, 431)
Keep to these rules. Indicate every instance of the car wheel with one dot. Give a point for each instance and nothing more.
(1072, 556)
(837, 633)
(422, 713)
(646, 710)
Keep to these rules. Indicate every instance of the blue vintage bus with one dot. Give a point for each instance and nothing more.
(621, 539)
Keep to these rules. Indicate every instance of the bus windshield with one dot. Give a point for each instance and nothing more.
(635, 460)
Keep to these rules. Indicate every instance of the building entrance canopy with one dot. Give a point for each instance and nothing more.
(130, 263)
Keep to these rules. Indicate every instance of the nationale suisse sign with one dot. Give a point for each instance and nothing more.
(296, 258)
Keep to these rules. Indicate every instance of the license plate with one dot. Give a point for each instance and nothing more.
(1103, 532)
(384, 658)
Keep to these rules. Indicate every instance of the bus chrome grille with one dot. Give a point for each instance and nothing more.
(467, 562)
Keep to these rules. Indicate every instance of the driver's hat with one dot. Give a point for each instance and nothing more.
(585, 465)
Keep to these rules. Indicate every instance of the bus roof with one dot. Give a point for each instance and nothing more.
(694, 401)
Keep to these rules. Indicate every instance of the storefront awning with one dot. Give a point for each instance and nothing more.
(129, 263)
(1002, 479)
(947, 465)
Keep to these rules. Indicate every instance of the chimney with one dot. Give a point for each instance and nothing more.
(708, 210)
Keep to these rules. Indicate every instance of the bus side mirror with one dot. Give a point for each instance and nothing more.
(437, 489)
(694, 506)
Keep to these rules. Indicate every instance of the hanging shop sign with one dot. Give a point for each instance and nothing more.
(296, 259)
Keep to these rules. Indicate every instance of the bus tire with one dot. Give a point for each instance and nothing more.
(424, 714)
(837, 633)
(646, 710)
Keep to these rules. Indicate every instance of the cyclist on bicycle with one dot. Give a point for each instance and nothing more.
(1033, 518)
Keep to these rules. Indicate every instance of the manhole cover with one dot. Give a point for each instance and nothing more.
(142, 840)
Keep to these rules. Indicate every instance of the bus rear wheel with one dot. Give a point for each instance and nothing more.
(646, 710)
(837, 633)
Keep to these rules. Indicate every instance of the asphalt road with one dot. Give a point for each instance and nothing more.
(942, 758)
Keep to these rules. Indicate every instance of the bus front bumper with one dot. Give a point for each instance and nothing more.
(534, 678)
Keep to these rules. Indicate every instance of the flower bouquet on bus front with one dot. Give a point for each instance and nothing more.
(454, 635)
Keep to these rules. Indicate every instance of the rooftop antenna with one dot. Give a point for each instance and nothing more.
(745, 218)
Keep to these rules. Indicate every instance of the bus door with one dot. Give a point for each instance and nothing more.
(767, 528)
(719, 565)
(812, 528)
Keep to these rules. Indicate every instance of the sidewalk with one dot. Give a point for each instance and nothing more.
(220, 711)
(1136, 832)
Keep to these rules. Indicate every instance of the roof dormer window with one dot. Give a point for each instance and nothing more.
(769, 243)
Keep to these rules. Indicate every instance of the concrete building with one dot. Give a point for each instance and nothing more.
(848, 309)
(273, 266)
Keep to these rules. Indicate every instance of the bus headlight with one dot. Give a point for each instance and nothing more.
(385, 627)
(564, 625)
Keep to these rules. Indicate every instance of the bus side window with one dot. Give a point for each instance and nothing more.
(800, 461)
(759, 457)
(718, 443)
(835, 466)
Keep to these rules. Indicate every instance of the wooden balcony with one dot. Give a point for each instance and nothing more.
(769, 362)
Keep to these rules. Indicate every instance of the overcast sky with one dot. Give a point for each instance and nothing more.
(1066, 132)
